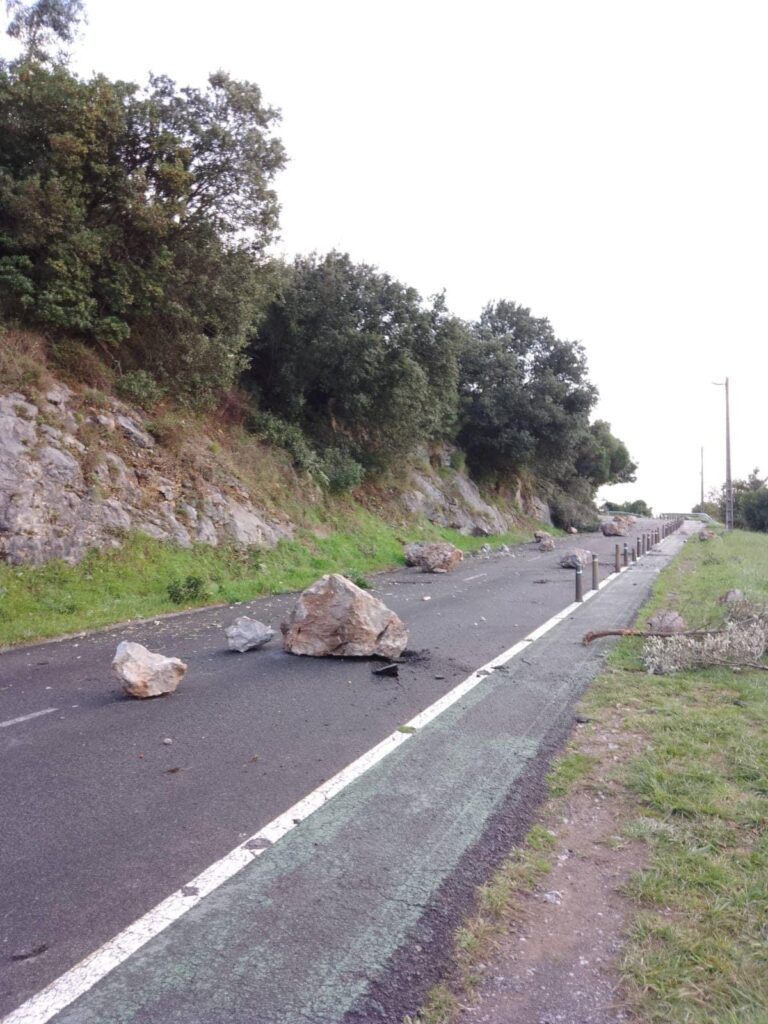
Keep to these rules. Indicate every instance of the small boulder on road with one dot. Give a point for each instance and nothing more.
(246, 634)
(546, 543)
(576, 558)
(144, 673)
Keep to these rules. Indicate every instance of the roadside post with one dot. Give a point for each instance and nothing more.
(579, 585)
(617, 559)
(595, 573)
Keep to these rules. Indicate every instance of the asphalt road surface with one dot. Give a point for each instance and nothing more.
(102, 818)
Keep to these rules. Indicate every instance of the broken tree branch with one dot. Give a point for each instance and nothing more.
(599, 634)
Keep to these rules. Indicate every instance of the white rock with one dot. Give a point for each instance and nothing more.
(144, 673)
(246, 634)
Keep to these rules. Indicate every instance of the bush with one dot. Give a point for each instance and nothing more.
(342, 472)
(140, 388)
(568, 510)
(754, 508)
(191, 588)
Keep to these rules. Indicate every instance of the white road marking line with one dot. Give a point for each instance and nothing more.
(84, 975)
(466, 579)
(26, 718)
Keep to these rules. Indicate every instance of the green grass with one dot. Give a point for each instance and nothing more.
(697, 952)
(145, 577)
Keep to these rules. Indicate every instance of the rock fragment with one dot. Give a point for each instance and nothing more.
(144, 673)
(334, 617)
(667, 622)
(576, 558)
(546, 543)
(438, 557)
(246, 634)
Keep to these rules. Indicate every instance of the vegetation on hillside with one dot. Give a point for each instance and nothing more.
(750, 503)
(135, 223)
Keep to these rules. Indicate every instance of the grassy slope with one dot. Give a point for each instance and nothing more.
(146, 577)
(697, 796)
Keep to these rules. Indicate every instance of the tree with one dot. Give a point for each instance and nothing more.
(355, 358)
(603, 458)
(136, 219)
(633, 508)
(524, 395)
(742, 491)
(754, 508)
(40, 25)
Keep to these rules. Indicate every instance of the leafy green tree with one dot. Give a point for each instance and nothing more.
(754, 509)
(355, 359)
(134, 219)
(603, 458)
(524, 395)
(633, 508)
(742, 496)
(39, 26)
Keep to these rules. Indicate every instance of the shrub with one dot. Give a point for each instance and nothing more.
(342, 472)
(191, 588)
(139, 387)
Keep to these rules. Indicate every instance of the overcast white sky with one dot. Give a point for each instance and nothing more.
(602, 162)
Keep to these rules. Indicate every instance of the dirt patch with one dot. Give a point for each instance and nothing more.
(558, 963)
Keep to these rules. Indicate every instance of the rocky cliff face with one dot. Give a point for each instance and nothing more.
(60, 496)
(75, 476)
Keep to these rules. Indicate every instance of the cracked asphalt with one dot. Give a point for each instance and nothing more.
(349, 916)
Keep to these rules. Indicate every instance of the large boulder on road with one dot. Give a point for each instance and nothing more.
(576, 558)
(246, 634)
(335, 618)
(438, 557)
(546, 543)
(412, 553)
(614, 528)
(144, 673)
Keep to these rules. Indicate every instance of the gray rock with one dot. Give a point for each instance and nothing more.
(667, 622)
(732, 597)
(133, 432)
(546, 543)
(613, 528)
(144, 673)
(335, 618)
(246, 634)
(576, 558)
(58, 394)
(412, 553)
